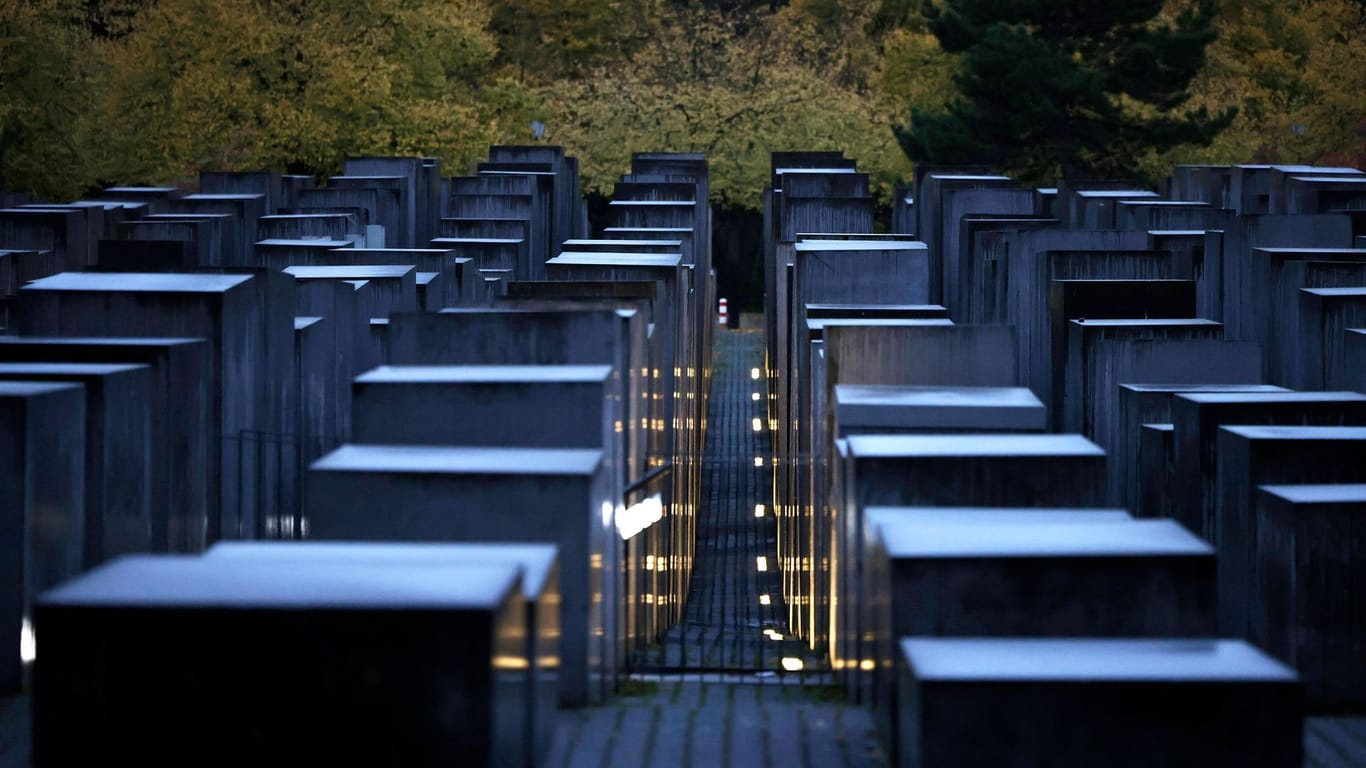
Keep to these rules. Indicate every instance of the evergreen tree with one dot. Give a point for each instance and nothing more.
(1070, 88)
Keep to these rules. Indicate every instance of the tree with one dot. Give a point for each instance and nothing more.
(1297, 71)
(702, 86)
(1070, 88)
(301, 85)
(50, 70)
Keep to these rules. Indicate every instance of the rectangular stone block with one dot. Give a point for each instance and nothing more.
(245, 209)
(1009, 702)
(392, 288)
(1308, 606)
(235, 314)
(1155, 470)
(181, 463)
(959, 470)
(1022, 573)
(1326, 314)
(422, 664)
(1141, 405)
(1084, 385)
(1197, 417)
(118, 451)
(896, 409)
(546, 406)
(540, 587)
(1249, 456)
(462, 494)
(42, 504)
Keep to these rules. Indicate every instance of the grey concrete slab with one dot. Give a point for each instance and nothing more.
(118, 451)
(1154, 456)
(548, 406)
(1250, 456)
(245, 209)
(64, 232)
(1326, 314)
(453, 494)
(185, 451)
(540, 587)
(42, 446)
(281, 253)
(1021, 573)
(248, 323)
(1306, 605)
(441, 647)
(868, 409)
(1141, 405)
(1072, 701)
(1089, 387)
(1197, 417)
(1287, 332)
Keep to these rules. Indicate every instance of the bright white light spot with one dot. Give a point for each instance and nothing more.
(764, 600)
(754, 373)
(758, 510)
(773, 634)
(761, 563)
(639, 516)
(758, 461)
(757, 424)
(867, 665)
(792, 664)
(754, 396)
(28, 644)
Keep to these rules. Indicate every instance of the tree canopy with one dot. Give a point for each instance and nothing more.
(99, 92)
(1066, 87)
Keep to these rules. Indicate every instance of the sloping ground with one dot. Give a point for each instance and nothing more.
(735, 620)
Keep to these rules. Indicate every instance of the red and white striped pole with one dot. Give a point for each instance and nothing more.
(722, 313)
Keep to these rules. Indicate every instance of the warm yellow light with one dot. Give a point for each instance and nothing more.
(754, 373)
(761, 563)
(509, 662)
(758, 510)
(867, 665)
(792, 664)
(764, 600)
(757, 424)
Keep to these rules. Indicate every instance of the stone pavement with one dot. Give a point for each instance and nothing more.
(670, 722)
(735, 619)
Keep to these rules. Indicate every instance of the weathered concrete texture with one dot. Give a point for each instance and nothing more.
(274, 652)
(247, 320)
(184, 451)
(462, 494)
(1019, 702)
(1249, 456)
(118, 451)
(1308, 603)
(1197, 417)
(1149, 404)
(42, 503)
(540, 586)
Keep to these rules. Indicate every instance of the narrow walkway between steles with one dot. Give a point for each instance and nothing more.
(728, 686)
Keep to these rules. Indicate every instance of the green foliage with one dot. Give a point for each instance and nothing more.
(701, 86)
(1067, 87)
(48, 67)
(545, 40)
(1297, 72)
(95, 92)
